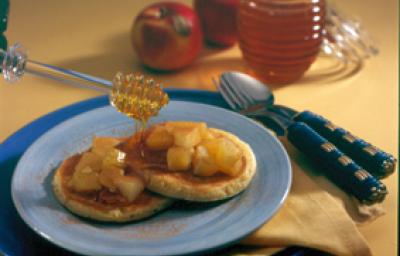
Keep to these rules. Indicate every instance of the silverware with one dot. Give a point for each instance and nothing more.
(250, 97)
(255, 98)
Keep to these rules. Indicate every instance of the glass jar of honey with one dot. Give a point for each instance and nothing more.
(280, 39)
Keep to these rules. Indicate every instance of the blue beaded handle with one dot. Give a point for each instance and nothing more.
(372, 159)
(342, 170)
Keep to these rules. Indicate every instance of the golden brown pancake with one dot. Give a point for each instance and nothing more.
(185, 185)
(104, 205)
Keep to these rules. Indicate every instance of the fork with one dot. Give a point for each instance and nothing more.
(340, 168)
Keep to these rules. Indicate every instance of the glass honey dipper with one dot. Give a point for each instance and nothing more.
(134, 95)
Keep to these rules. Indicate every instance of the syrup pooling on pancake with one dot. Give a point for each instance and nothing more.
(188, 160)
(98, 184)
(186, 147)
(103, 169)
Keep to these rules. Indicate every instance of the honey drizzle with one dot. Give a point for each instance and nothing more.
(138, 98)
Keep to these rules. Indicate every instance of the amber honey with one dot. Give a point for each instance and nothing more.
(137, 97)
(280, 39)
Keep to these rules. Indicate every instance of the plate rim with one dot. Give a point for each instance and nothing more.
(233, 239)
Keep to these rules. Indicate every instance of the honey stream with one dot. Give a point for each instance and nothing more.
(139, 98)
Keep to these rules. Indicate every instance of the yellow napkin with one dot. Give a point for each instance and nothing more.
(310, 217)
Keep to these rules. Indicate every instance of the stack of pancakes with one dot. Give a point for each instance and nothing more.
(162, 185)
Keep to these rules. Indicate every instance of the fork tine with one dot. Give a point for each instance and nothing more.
(229, 98)
(245, 96)
(237, 96)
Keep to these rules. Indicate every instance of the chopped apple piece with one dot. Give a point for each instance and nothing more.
(89, 159)
(129, 186)
(85, 180)
(114, 157)
(159, 139)
(108, 175)
(206, 134)
(101, 145)
(224, 153)
(204, 168)
(203, 163)
(179, 158)
(186, 137)
(227, 155)
(184, 124)
(212, 146)
(235, 169)
(201, 126)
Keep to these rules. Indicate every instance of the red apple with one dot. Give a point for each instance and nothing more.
(167, 35)
(218, 20)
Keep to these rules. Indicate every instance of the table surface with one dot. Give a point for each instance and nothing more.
(92, 36)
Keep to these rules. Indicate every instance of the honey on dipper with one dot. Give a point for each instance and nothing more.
(137, 97)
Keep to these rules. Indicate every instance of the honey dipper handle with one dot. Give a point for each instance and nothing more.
(15, 64)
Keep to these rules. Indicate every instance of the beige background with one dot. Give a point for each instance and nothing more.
(92, 36)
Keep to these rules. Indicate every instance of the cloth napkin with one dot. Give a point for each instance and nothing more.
(314, 217)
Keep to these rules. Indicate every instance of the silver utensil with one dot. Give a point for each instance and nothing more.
(252, 98)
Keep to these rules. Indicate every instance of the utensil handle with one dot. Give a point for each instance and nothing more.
(15, 63)
(342, 170)
(377, 162)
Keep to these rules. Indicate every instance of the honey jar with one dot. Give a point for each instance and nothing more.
(280, 39)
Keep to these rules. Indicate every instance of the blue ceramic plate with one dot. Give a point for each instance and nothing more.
(182, 229)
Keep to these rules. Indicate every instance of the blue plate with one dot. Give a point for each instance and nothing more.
(16, 238)
(184, 228)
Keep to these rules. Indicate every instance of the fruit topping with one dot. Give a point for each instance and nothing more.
(129, 186)
(159, 139)
(191, 145)
(101, 145)
(179, 158)
(85, 180)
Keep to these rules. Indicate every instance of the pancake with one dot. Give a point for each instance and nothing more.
(103, 205)
(184, 184)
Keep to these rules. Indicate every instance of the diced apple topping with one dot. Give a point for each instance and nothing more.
(235, 169)
(108, 176)
(222, 153)
(212, 147)
(186, 124)
(159, 139)
(101, 145)
(85, 180)
(227, 155)
(206, 135)
(179, 158)
(185, 128)
(89, 159)
(186, 137)
(129, 186)
(114, 157)
(195, 146)
(203, 163)
(103, 166)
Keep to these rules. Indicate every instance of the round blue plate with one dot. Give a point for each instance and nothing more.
(182, 229)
